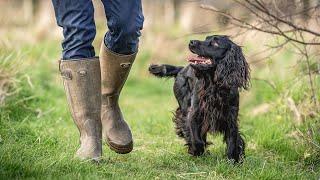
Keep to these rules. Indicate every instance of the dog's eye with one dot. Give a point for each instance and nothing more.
(214, 43)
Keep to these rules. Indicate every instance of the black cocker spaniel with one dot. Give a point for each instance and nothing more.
(207, 91)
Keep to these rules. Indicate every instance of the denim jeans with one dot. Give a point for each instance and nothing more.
(76, 17)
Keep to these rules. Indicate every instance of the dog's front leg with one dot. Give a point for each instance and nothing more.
(235, 143)
(196, 145)
(195, 142)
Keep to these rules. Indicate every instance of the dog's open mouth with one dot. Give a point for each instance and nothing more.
(196, 59)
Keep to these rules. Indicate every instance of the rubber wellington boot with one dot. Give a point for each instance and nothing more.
(82, 84)
(114, 72)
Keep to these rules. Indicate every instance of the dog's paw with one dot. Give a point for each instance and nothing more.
(157, 70)
(237, 159)
(237, 153)
(197, 149)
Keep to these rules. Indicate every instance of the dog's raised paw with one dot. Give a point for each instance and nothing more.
(156, 70)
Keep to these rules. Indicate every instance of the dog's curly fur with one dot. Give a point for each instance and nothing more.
(208, 95)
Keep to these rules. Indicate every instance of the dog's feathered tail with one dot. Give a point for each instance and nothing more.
(164, 70)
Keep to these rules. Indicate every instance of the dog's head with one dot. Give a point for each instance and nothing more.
(219, 56)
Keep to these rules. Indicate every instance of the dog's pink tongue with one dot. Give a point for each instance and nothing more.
(194, 58)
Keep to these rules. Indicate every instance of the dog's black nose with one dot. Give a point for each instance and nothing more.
(193, 43)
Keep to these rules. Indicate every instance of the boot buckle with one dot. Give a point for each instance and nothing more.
(82, 72)
(66, 74)
(125, 65)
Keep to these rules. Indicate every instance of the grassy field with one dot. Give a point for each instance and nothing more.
(38, 138)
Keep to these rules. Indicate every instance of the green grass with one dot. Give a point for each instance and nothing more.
(38, 138)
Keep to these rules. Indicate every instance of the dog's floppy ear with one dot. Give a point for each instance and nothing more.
(233, 70)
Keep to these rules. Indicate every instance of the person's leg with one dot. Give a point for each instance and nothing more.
(118, 52)
(80, 71)
(125, 20)
(77, 20)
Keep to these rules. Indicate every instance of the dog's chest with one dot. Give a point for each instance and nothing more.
(214, 106)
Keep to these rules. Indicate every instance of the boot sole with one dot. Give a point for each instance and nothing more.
(120, 149)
